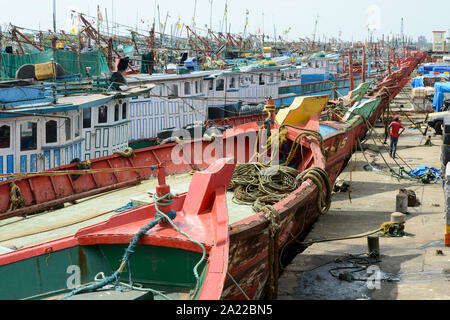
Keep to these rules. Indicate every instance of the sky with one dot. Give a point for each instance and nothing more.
(347, 19)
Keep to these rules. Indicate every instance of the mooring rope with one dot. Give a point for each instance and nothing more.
(16, 198)
(127, 153)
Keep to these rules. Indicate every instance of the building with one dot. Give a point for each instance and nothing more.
(439, 42)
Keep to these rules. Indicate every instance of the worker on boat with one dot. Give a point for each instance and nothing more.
(394, 132)
(118, 79)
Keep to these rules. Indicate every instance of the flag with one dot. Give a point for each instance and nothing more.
(246, 17)
(74, 23)
(99, 14)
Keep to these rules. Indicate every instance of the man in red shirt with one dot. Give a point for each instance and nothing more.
(395, 132)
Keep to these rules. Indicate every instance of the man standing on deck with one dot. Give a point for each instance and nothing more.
(394, 131)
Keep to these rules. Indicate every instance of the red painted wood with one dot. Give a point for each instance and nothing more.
(204, 185)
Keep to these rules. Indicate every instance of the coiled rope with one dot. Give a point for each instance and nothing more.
(322, 181)
(16, 198)
(127, 153)
(258, 186)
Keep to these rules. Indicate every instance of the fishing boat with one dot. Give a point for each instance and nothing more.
(168, 259)
(295, 173)
(42, 127)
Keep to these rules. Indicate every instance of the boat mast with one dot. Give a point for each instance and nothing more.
(210, 14)
(193, 17)
(54, 16)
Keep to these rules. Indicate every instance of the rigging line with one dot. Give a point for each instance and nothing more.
(191, 106)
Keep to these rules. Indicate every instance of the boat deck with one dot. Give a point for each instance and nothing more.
(17, 232)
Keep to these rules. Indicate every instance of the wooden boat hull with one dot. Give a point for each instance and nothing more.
(163, 258)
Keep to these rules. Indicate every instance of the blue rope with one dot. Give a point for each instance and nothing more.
(126, 207)
(165, 201)
(128, 252)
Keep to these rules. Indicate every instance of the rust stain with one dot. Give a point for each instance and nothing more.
(38, 270)
(82, 263)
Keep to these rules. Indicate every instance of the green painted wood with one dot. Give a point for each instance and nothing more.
(47, 275)
(364, 108)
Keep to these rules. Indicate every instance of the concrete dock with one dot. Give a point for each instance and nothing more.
(416, 266)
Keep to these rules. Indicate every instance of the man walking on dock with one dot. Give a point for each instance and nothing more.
(394, 130)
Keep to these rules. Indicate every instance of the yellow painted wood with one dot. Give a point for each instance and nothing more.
(301, 109)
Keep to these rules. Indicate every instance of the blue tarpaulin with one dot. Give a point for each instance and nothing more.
(417, 82)
(439, 89)
(423, 170)
(435, 68)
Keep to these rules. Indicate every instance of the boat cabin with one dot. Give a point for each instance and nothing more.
(38, 134)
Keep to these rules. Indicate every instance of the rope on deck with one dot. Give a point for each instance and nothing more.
(127, 153)
(114, 278)
(16, 198)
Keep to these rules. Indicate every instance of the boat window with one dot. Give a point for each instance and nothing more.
(68, 125)
(116, 112)
(51, 131)
(173, 91)
(261, 79)
(187, 88)
(219, 85)
(103, 114)
(271, 79)
(211, 85)
(283, 76)
(124, 110)
(196, 87)
(232, 83)
(242, 81)
(77, 126)
(5, 137)
(28, 136)
(86, 118)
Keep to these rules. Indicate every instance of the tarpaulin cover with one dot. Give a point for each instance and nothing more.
(71, 62)
(423, 170)
(417, 82)
(439, 89)
(435, 68)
